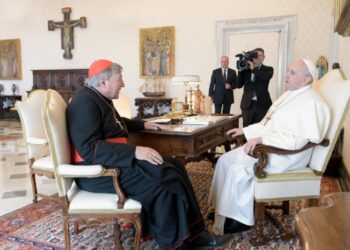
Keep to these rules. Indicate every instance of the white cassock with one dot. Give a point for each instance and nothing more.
(296, 118)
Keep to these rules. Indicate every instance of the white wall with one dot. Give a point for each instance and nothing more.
(113, 32)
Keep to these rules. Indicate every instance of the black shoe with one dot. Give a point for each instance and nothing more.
(205, 239)
(232, 226)
(211, 216)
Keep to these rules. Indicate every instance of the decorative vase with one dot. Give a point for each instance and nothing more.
(13, 88)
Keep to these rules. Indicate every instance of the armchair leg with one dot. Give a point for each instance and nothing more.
(66, 234)
(117, 235)
(76, 228)
(33, 181)
(34, 188)
(138, 228)
(285, 207)
(260, 238)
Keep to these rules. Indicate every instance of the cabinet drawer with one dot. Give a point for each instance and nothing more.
(214, 137)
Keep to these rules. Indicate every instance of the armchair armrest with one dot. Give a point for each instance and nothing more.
(78, 171)
(37, 141)
(90, 171)
(261, 152)
(115, 173)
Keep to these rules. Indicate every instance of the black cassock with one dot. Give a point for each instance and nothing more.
(170, 212)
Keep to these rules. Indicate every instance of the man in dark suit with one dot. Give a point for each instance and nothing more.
(256, 98)
(221, 87)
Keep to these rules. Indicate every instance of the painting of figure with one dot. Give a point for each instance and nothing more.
(157, 57)
(10, 60)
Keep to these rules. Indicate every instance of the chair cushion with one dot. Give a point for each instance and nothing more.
(296, 184)
(44, 163)
(86, 202)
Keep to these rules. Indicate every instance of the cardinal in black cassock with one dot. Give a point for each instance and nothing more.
(170, 212)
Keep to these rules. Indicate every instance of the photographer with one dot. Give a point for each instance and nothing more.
(255, 78)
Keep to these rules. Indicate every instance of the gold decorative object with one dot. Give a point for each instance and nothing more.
(177, 106)
(187, 81)
(322, 65)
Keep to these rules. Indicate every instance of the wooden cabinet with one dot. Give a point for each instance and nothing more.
(152, 106)
(65, 81)
(6, 103)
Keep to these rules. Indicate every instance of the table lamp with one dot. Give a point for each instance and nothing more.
(187, 80)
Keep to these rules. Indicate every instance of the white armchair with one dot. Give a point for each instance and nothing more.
(301, 184)
(80, 205)
(39, 159)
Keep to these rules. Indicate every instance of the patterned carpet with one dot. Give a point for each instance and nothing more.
(10, 137)
(39, 226)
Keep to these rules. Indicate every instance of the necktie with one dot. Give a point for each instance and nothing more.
(224, 76)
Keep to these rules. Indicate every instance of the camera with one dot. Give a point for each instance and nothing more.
(244, 57)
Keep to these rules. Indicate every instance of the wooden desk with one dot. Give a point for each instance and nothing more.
(328, 226)
(186, 141)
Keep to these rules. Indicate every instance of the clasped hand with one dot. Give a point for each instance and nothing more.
(227, 86)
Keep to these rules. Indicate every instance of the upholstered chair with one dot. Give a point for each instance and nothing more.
(306, 183)
(39, 159)
(123, 106)
(80, 205)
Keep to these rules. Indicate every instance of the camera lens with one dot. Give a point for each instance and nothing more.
(242, 64)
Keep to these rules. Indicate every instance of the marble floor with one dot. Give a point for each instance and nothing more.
(15, 186)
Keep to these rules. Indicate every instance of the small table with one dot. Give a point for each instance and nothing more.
(328, 226)
(156, 104)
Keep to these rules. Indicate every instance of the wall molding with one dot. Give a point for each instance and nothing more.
(285, 26)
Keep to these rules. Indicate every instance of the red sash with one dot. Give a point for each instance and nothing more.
(76, 158)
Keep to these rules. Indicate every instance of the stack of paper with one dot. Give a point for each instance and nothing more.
(203, 120)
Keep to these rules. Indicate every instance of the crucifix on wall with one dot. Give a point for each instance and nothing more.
(66, 26)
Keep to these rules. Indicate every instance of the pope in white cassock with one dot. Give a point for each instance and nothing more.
(299, 116)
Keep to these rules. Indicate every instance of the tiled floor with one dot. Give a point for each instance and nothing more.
(15, 186)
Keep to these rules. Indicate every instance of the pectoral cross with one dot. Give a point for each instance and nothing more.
(66, 26)
(267, 117)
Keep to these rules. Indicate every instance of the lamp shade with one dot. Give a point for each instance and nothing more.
(187, 79)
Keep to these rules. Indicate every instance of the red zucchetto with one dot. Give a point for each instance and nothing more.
(98, 66)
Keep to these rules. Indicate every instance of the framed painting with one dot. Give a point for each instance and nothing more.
(10, 60)
(157, 52)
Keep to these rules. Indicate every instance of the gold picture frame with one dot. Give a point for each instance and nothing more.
(10, 60)
(157, 52)
(177, 106)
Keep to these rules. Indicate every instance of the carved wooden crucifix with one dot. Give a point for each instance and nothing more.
(66, 26)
